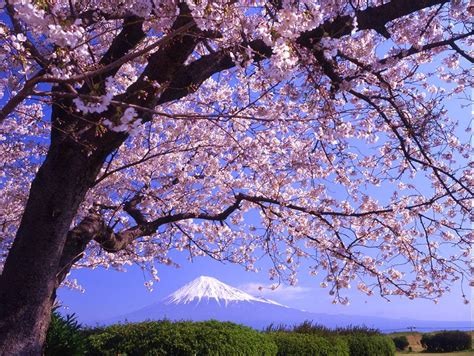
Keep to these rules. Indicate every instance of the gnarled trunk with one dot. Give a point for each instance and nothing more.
(29, 278)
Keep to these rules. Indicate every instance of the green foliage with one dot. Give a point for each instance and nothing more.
(308, 338)
(446, 341)
(308, 327)
(357, 330)
(180, 338)
(64, 336)
(213, 338)
(401, 342)
(301, 344)
(365, 345)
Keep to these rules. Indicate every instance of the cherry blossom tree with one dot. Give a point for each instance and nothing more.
(296, 130)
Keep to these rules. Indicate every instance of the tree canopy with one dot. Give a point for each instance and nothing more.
(296, 130)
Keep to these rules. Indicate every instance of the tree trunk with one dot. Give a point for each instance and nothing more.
(29, 279)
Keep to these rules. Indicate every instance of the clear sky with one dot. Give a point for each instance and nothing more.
(109, 293)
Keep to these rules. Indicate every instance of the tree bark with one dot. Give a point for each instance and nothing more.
(44, 249)
(28, 281)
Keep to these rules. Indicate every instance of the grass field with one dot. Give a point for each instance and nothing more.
(415, 344)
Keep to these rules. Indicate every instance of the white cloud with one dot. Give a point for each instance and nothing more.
(281, 293)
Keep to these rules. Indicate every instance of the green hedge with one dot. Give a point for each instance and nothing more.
(310, 327)
(211, 338)
(374, 345)
(291, 343)
(180, 339)
(447, 341)
(294, 343)
(401, 342)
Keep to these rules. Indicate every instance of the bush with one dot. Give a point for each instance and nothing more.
(290, 343)
(181, 338)
(401, 342)
(64, 336)
(308, 327)
(447, 341)
(364, 345)
(313, 339)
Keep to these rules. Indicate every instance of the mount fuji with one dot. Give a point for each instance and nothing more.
(208, 289)
(207, 298)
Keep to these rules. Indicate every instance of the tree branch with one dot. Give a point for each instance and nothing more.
(188, 79)
(164, 63)
(17, 26)
(114, 242)
(131, 35)
(166, 67)
(87, 230)
(460, 51)
(130, 207)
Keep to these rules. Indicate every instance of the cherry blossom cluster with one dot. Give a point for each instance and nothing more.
(333, 154)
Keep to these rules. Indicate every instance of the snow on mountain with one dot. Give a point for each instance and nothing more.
(207, 288)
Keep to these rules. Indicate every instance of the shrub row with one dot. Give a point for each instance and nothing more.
(447, 341)
(180, 338)
(313, 339)
(208, 338)
(217, 338)
(308, 327)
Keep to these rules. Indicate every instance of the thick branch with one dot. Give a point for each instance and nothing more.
(130, 207)
(164, 63)
(189, 78)
(160, 70)
(77, 239)
(21, 95)
(131, 35)
(372, 18)
(113, 242)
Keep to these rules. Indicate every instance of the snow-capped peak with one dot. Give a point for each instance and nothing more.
(210, 288)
